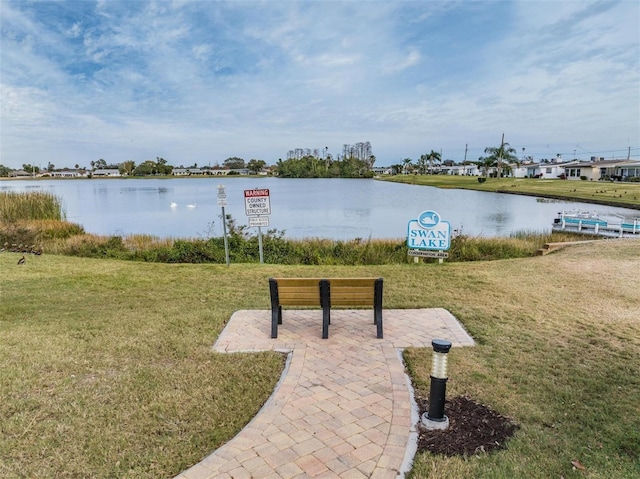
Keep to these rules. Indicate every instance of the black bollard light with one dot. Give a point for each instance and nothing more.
(435, 417)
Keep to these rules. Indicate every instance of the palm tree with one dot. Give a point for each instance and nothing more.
(422, 163)
(433, 156)
(502, 153)
(406, 163)
(486, 162)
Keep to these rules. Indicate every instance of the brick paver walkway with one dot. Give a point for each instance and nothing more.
(343, 408)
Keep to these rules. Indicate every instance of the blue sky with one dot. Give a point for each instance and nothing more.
(200, 81)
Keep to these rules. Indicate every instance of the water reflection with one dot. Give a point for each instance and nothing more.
(336, 208)
(499, 221)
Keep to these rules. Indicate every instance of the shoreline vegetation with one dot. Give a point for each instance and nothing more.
(34, 221)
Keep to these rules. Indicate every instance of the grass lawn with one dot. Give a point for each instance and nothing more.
(625, 195)
(106, 367)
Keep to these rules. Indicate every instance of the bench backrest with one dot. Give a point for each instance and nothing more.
(343, 291)
(298, 291)
(353, 291)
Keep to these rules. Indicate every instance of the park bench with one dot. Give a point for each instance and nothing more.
(325, 293)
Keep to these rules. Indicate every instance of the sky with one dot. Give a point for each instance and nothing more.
(197, 82)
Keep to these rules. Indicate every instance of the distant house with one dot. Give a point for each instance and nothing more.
(20, 174)
(102, 172)
(538, 170)
(628, 170)
(550, 170)
(68, 174)
(594, 170)
(382, 170)
(462, 170)
(188, 171)
(229, 171)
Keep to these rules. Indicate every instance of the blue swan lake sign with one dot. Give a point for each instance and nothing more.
(429, 236)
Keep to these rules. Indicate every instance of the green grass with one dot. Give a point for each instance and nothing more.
(106, 368)
(625, 195)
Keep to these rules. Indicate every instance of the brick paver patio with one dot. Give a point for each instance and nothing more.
(343, 408)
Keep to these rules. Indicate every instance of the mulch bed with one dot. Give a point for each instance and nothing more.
(473, 429)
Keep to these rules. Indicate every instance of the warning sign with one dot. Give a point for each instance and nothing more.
(256, 202)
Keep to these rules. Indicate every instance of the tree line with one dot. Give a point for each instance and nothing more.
(356, 161)
(159, 166)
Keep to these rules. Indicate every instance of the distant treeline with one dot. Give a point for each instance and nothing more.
(356, 161)
(314, 167)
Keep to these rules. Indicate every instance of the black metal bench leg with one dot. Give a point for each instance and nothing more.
(276, 310)
(325, 301)
(274, 324)
(379, 324)
(377, 308)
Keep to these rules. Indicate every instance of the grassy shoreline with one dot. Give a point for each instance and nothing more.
(624, 195)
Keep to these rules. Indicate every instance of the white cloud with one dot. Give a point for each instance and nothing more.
(188, 79)
(397, 65)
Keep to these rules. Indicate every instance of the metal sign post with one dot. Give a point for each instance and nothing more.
(260, 245)
(222, 202)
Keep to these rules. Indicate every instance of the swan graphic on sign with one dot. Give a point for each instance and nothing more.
(429, 232)
(428, 219)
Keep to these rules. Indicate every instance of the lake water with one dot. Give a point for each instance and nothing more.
(303, 208)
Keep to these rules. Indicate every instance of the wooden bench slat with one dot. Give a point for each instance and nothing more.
(301, 302)
(295, 296)
(285, 292)
(350, 293)
(301, 289)
(346, 301)
(352, 282)
(297, 282)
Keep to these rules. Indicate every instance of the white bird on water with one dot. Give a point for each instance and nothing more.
(192, 206)
(174, 204)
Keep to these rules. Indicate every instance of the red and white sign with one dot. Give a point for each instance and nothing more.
(257, 202)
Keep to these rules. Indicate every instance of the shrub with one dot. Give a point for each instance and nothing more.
(37, 231)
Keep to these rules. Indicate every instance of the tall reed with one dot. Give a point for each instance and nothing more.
(33, 205)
